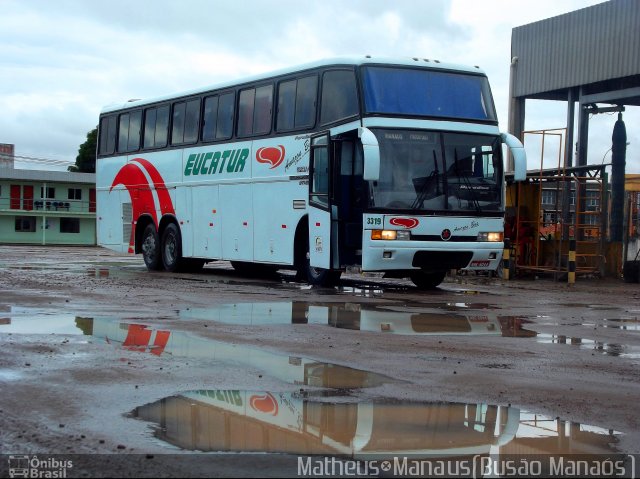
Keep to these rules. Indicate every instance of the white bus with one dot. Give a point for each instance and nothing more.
(388, 165)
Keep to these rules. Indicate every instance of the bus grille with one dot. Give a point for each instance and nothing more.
(127, 219)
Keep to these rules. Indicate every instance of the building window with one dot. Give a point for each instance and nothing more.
(590, 220)
(69, 225)
(593, 200)
(75, 194)
(50, 193)
(25, 224)
(548, 197)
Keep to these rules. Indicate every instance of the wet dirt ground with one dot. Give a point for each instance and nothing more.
(102, 359)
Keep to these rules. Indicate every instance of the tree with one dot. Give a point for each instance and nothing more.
(86, 159)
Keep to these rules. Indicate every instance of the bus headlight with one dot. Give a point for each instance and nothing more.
(383, 234)
(493, 236)
(390, 235)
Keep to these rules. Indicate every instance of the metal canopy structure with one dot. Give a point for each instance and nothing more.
(588, 56)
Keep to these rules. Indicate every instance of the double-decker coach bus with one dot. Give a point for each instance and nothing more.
(389, 165)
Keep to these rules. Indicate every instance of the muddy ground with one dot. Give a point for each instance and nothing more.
(65, 392)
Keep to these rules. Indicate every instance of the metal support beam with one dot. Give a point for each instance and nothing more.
(583, 132)
(614, 96)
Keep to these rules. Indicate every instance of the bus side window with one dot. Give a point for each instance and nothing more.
(186, 116)
(107, 135)
(226, 108)
(129, 131)
(297, 103)
(123, 129)
(339, 96)
(320, 178)
(245, 112)
(177, 129)
(135, 126)
(150, 127)
(286, 105)
(210, 118)
(162, 126)
(306, 97)
(191, 121)
(156, 124)
(262, 110)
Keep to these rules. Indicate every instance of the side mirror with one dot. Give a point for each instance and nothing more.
(519, 156)
(371, 151)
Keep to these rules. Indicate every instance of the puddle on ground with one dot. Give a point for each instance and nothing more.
(18, 320)
(609, 349)
(292, 369)
(245, 421)
(596, 307)
(630, 324)
(141, 338)
(391, 318)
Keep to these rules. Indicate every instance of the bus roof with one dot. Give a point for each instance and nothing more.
(338, 61)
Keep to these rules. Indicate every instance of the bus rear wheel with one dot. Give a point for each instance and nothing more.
(151, 248)
(171, 248)
(424, 280)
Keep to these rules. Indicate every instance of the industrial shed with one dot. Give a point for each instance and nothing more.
(589, 57)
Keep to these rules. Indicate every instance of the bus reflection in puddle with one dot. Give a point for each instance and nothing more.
(292, 369)
(388, 318)
(244, 421)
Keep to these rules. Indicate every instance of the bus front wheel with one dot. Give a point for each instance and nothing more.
(320, 276)
(171, 248)
(424, 280)
(151, 248)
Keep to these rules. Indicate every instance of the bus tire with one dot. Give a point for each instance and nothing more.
(171, 248)
(150, 247)
(321, 277)
(424, 280)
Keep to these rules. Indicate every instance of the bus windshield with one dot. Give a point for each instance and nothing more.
(427, 93)
(434, 171)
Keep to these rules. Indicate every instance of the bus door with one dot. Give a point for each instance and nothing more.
(323, 214)
(349, 195)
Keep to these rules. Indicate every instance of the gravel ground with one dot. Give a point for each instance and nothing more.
(64, 392)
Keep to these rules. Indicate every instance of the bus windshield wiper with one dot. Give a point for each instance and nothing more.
(423, 185)
(466, 181)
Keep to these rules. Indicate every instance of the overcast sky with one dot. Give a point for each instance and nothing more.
(61, 61)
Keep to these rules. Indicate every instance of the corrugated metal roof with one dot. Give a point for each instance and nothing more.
(47, 176)
(590, 45)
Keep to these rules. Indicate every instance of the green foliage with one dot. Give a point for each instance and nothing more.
(86, 159)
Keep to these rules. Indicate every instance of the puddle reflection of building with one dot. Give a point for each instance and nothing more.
(242, 421)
